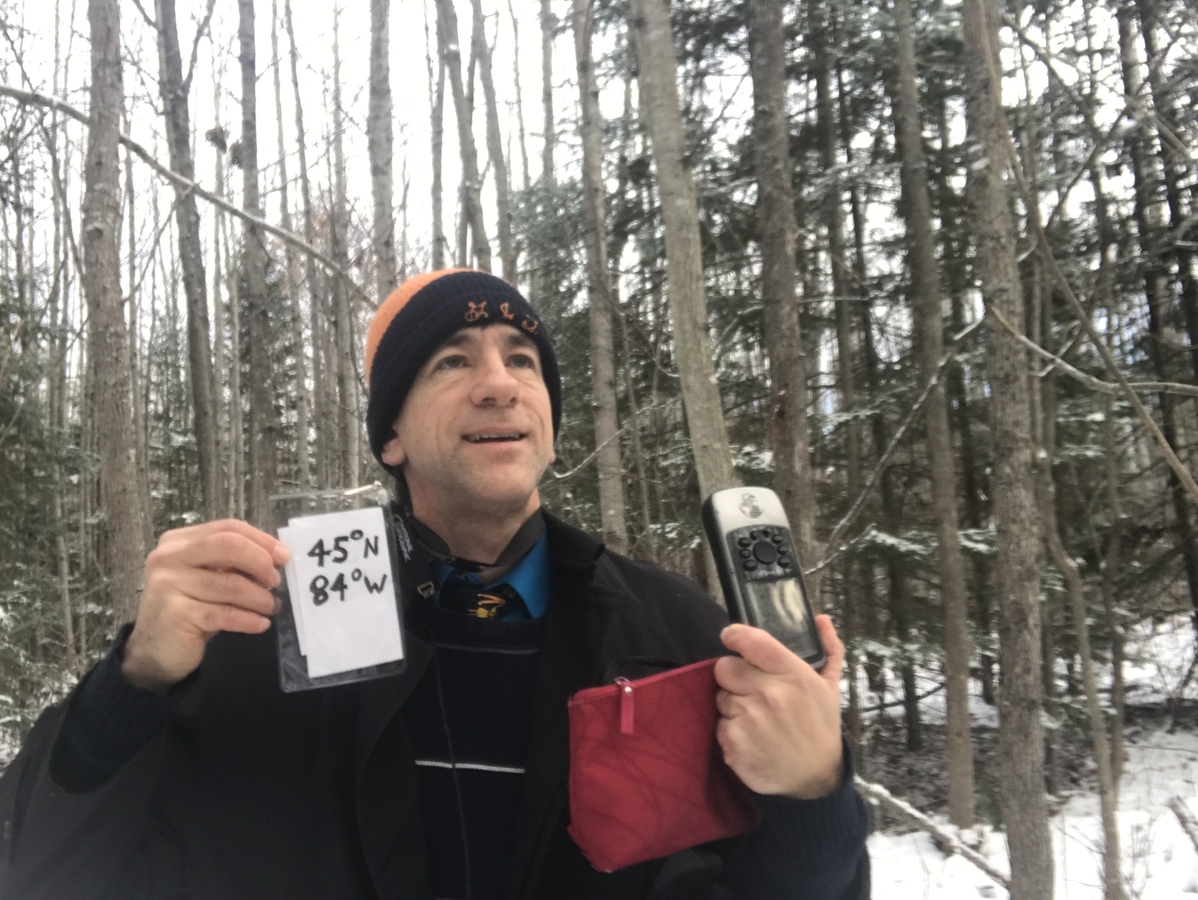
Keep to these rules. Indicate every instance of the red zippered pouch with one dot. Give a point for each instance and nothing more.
(647, 777)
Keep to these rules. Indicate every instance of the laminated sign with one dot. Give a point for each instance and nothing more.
(341, 595)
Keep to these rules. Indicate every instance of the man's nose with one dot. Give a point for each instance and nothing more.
(494, 382)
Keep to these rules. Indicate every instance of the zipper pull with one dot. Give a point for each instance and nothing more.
(626, 714)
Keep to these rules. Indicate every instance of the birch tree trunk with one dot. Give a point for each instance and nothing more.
(436, 96)
(793, 477)
(225, 454)
(521, 135)
(320, 405)
(176, 112)
(349, 423)
(380, 145)
(600, 296)
(927, 314)
(137, 395)
(303, 395)
(263, 423)
(680, 213)
(472, 211)
(1019, 554)
(503, 199)
(548, 24)
(123, 525)
(56, 405)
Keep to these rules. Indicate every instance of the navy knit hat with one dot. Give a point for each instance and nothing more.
(421, 315)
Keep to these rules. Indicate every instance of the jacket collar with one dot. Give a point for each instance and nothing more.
(571, 548)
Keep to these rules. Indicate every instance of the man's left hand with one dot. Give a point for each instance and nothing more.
(779, 722)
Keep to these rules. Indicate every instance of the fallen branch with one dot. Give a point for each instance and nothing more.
(1189, 824)
(942, 835)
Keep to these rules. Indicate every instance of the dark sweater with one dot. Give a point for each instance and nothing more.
(468, 719)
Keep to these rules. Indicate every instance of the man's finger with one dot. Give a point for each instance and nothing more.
(760, 649)
(833, 647)
(229, 588)
(224, 550)
(191, 533)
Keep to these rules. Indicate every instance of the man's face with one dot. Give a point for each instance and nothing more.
(476, 430)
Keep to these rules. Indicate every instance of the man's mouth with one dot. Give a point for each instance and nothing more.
(494, 438)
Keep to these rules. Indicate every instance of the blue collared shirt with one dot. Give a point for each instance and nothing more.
(530, 578)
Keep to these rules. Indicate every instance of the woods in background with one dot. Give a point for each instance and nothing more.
(925, 268)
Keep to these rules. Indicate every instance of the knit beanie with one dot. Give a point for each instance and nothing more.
(422, 314)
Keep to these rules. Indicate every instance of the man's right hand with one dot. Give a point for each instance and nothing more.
(199, 581)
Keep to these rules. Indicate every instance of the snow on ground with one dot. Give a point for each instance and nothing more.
(1159, 860)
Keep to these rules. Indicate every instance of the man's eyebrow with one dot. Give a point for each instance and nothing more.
(518, 339)
(466, 336)
(457, 339)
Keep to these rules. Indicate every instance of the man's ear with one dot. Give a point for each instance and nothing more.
(393, 453)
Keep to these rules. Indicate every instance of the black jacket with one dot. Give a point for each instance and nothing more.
(249, 792)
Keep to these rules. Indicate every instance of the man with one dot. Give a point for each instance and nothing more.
(178, 768)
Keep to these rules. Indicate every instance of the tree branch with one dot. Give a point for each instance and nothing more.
(876, 474)
(39, 99)
(1097, 384)
(195, 46)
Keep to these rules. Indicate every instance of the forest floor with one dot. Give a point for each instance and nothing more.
(1159, 860)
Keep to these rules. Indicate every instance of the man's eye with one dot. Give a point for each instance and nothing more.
(524, 361)
(450, 362)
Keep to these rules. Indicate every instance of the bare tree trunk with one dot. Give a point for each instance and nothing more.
(549, 141)
(380, 143)
(1019, 555)
(955, 277)
(793, 476)
(680, 213)
(928, 303)
(472, 211)
(503, 200)
(436, 91)
(519, 94)
(1109, 550)
(136, 395)
(601, 297)
(263, 422)
(348, 420)
(124, 534)
(303, 395)
(229, 430)
(56, 388)
(176, 112)
(1108, 792)
(323, 415)
(1110, 572)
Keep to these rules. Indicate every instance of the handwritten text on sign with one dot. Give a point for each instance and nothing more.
(341, 590)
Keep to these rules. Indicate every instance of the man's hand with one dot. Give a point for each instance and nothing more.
(199, 581)
(780, 719)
